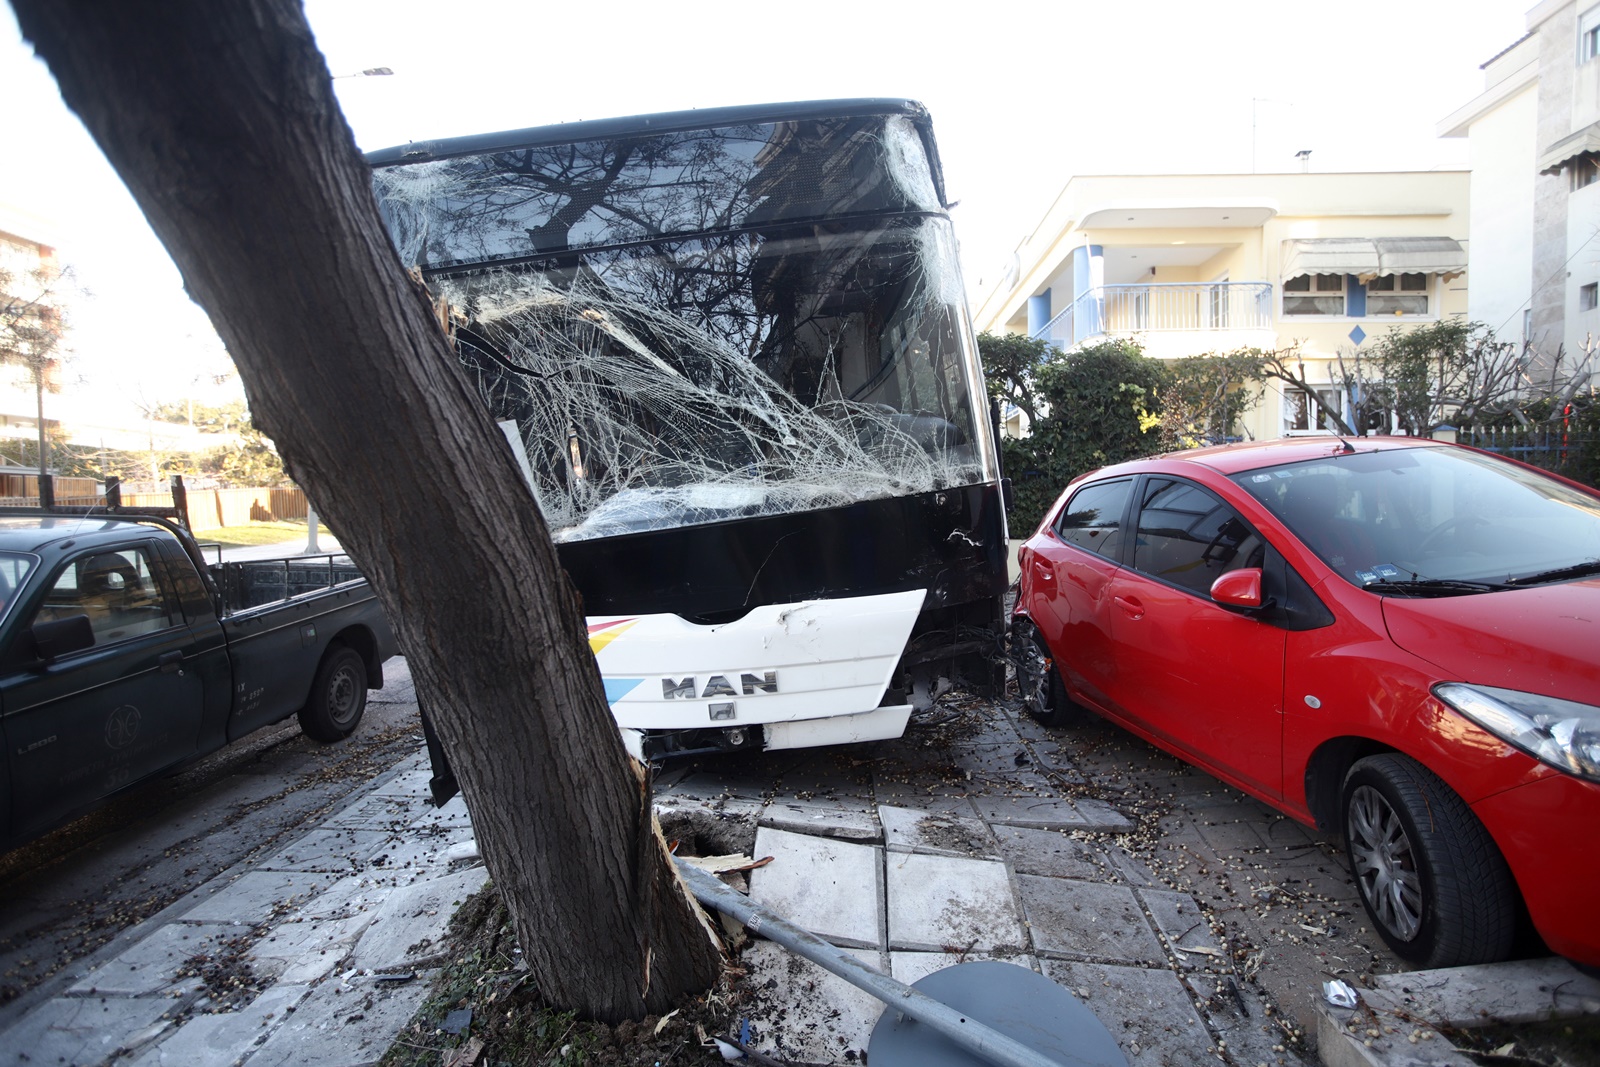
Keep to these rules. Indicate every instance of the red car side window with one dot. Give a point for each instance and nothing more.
(1189, 537)
(1092, 519)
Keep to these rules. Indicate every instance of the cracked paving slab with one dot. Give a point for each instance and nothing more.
(938, 903)
(820, 884)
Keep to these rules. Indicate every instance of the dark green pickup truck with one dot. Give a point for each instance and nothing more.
(124, 654)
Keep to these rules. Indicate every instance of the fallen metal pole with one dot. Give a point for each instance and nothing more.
(993, 1046)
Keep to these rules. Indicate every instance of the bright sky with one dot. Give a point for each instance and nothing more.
(1023, 95)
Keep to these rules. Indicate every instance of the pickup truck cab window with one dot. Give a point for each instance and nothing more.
(117, 589)
(14, 569)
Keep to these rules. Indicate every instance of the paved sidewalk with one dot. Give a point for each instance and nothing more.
(975, 837)
(318, 954)
(914, 878)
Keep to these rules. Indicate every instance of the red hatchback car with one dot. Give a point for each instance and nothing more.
(1395, 639)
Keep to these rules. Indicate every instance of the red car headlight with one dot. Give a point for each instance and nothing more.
(1561, 733)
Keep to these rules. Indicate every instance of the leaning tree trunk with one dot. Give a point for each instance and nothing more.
(221, 119)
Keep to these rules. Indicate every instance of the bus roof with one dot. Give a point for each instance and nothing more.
(665, 122)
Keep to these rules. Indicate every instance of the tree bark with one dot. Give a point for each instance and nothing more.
(221, 119)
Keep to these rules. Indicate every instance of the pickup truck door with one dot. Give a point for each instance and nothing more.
(100, 718)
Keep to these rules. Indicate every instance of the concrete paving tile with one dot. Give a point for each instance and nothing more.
(955, 802)
(421, 849)
(1184, 926)
(1102, 817)
(1085, 919)
(939, 902)
(1000, 757)
(847, 820)
(453, 815)
(1240, 1014)
(224, 1038)
(410, 781)
(1280, 831)
(342, 1025)
(1050, 813)
(351, 895)
(810, 1015)
(1052, 852)
(298, 953)
(1343, 1040)
(256, 894)
(911, 967)
(830, 887)
(1149, 1012)
(1041, 813)
(714, 786)
(375, 811)
(81, 1030)
(910, 830)
(406, 928)
(1515, 992)
(327, 850)
(1231, 837)
(152, 964)
(1132, 869)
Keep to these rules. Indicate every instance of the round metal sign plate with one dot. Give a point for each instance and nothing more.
(1019, 1003)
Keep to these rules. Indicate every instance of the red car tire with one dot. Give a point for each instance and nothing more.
(1428, 873)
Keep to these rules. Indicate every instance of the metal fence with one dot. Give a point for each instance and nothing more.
(1554, 446)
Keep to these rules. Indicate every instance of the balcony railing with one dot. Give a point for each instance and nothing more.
(1187, 307)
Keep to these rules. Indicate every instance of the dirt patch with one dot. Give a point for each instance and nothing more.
(1557, 1043)
(484, 1009)
(943, 832)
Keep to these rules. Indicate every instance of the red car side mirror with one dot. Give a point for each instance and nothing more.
(1238, 589)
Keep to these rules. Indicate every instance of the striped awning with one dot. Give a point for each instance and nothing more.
(1420, 255)
(1372, 257)
(1329, 255)
(1585, 141)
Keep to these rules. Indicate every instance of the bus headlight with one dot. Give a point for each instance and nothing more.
(1562, 733)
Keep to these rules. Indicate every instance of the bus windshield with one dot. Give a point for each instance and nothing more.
(695, 326)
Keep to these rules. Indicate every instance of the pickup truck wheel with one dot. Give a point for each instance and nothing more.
(338, 696)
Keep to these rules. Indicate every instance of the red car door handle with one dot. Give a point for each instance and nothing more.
(1130, 606)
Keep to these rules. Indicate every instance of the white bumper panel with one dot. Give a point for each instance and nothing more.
(880, 724)
(815, 660)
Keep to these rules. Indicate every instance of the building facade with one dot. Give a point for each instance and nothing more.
(1534, 140)
(1194, 264)
(30, 312)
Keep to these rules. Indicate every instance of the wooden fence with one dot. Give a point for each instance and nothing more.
(209, 509)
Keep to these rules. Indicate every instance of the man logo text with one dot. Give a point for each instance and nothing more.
(718, 686)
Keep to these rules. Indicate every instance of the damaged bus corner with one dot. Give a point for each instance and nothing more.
(731, 351)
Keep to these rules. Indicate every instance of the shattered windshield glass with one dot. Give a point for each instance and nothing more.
(710, 325)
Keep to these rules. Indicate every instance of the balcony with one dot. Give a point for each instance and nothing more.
(1169, 320)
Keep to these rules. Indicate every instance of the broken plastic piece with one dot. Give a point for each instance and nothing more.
(1340, 994)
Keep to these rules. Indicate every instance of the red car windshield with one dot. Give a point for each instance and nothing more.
(1433, 521)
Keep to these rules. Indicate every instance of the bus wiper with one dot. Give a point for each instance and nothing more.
(1418, 586)
(1577, 570)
